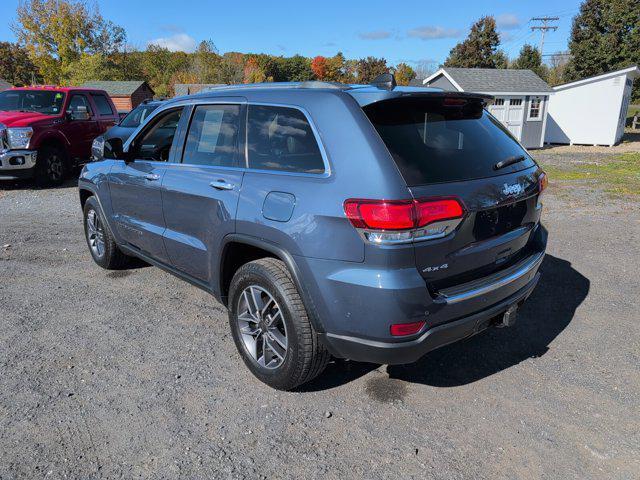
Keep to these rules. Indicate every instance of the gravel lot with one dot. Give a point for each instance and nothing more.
(133, 374)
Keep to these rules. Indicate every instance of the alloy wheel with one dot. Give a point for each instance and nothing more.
(54, 167)
(262, 327)
(95, 233)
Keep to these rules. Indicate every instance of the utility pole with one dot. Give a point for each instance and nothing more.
(544, 27)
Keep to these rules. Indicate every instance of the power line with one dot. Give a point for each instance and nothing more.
(544, 28)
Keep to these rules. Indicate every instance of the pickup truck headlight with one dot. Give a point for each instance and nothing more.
(19, 137)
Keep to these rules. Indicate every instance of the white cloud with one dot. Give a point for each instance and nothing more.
(375, 35)
(430, 32)
(508, 21)
(179, 42)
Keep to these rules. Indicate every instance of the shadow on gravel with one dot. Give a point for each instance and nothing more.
(543, 317)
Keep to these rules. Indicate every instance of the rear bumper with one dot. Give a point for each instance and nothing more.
(364, 350)
(17, 164)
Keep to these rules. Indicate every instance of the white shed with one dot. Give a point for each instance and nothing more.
(591, 111)
(521, 97)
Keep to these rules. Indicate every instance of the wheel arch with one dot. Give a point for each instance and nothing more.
(258, 248)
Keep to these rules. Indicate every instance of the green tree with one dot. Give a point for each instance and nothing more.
(530, 59)
(232, 68)
(57, 33)
(15, 65)
(370, 67)
(160, 67)
(480, 48)
(294, 69)
(605, 36)
(205, 63)
(404, 74)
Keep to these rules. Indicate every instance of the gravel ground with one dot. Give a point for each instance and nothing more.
(133, 374)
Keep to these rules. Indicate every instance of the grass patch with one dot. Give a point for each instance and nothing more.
(619, 175)
(633, 109)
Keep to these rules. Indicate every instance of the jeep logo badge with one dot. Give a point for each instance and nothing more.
(515, 189)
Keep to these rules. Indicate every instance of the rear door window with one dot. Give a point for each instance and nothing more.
(280, 138)
(433, 142)
(213, 136)
(103, 105)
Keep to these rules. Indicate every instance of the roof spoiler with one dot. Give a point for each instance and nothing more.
(386, 81)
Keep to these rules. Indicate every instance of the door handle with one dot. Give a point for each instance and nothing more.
(222, 185)
(152, 177)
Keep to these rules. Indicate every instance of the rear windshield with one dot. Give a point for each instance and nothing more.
(432, 142)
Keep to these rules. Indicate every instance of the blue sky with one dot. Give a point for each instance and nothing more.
(410, 31)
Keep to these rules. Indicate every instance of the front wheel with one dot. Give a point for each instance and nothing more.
(271, 328)
(51, 166)
(102, 245)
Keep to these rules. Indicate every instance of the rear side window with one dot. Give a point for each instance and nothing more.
(280, 138)
(213, 136)
(102, 104)
(432, 142)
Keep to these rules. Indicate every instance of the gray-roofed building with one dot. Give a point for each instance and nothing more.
(181, 89)
(521, 97)
(126, 95)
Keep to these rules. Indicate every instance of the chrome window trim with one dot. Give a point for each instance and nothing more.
(242, 101)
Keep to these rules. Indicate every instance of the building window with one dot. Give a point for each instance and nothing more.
(499, 101)
(514, 102)
(535, 109)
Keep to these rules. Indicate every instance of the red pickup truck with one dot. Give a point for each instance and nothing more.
(46, 131)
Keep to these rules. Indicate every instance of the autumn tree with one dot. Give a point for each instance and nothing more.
(319, 67)
(480, 48)
(404, 74)
(57, 33)
(205, 63)
(605, 36)
(252, 72)
(370, 67)
(530, 59)
(15, 65)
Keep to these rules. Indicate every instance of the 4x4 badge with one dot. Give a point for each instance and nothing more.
(436, 268)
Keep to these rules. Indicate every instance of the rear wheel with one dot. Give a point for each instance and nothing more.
(102, 245)
(51, 166)
(271, 328)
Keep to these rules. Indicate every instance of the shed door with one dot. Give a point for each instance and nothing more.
(510, 111)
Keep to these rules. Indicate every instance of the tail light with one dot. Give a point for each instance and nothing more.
(402, 221)
(402, 329)
(543, 182)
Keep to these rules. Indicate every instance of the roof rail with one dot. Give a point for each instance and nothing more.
(273, 85)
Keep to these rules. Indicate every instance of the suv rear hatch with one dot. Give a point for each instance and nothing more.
(447, 146)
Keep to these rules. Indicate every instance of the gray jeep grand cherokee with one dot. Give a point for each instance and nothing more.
(368, 222)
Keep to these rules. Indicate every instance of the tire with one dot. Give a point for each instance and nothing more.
(52, 166)
(304, 357)
(105, 252)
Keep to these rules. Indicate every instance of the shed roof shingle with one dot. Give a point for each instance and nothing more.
(116, 87)
(497, 80)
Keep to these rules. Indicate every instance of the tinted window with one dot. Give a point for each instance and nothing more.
(102, 104)
(213, 136)
(281, 138)
(136, 116)
(42, 101)
(432, 143)
(155, 143)
(78, 104)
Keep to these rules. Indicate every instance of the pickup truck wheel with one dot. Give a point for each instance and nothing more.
(51, 166)
(102, 246)
(271, 328)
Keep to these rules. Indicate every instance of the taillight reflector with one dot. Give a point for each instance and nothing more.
(543, 182)
(402, 329)
(400, 214)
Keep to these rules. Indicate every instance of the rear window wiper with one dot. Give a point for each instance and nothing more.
(509, 161)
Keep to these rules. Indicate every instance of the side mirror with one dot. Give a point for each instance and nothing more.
(80, 113)
(113, 148)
